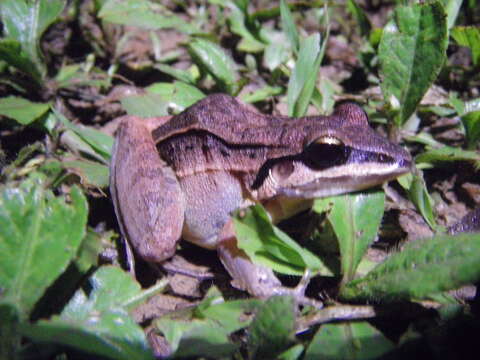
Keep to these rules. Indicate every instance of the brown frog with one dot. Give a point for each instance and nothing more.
(182, 176)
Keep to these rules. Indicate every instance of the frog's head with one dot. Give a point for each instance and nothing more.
(341, 153)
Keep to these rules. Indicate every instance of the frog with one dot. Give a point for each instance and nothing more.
(183, 176)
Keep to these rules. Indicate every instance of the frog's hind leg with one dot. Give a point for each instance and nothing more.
(258, 280)
(147, 197)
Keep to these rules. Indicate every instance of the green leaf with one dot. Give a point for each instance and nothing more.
(261, 94)
(411, 53)
(273, 328)
(178, 94)
(10, 339)
(304, 76)
(98, 324)
(468, 36)
(230, 314)
(205, 330)
(162, 99)
(294, 353)
(143, 13)
(448, 154)
(355, 219)
(25, 22)
(213, 59)
(422, 268)
(276, 53)
(348, 341)
(145, 105)
(11, 51)
(90, 173)
(91, 141)
(76, 75)
(471, 122)
(183, 75)
(418, 194)
(237, 19)
(452, 7)
(288, 26)
(40, 236)
(267, 245)
(92, 246)
(362, 19)
(22, 110)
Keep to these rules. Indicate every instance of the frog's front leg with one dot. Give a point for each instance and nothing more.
(147, 197)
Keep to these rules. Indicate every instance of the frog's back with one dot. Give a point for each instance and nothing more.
(225, 117)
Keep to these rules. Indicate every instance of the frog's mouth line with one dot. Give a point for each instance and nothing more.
(343, 179)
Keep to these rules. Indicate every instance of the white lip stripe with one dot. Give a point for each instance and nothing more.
(364, 169)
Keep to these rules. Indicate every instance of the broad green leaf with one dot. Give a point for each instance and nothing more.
(40, 235)
(304, 76)
(102, 143)
(423, 267)
(213, 59)
(468, 36)
(448, 154)
(143, 13)
(418, 194)
(411, 53)
(92, 245)
(348, 341)
(268, 245)
(276, 53)
(99, 142)
(193, 338)
(273, 328)
(22, 110)
(76, 75)
(293, 353)
(452, 7)
(238, 25)
(205, 330)
(90, 173)
(11, 52)
(288, 26)
(77, 145)
(178, 94)
(183, 75)
(162, 99)
(26, 21)
(145, 105)
(355, 219)
(229, 314)
(323, 96)
(98, 324)
(362, 19)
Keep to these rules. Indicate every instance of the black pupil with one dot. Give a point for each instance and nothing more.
(322, 156)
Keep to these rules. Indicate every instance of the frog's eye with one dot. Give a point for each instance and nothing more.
(328, 140)
(325, 152)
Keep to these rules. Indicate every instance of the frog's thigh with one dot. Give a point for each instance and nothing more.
(210, 197)
(147, 196)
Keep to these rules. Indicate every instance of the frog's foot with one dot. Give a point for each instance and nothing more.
(298, 292)
(259, 280)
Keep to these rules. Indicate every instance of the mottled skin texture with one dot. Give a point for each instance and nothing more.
(183, 177)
